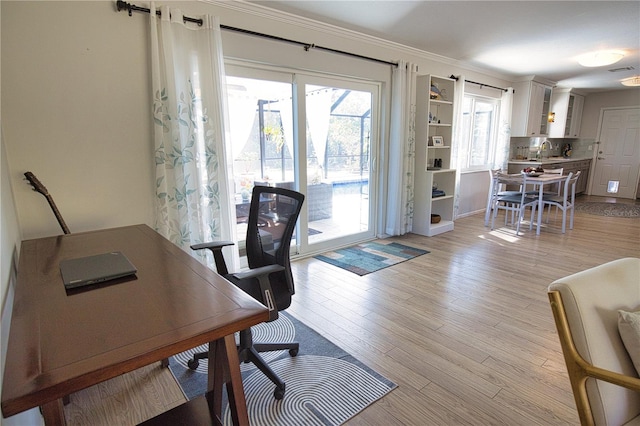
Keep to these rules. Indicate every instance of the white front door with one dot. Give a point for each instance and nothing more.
(617, 164)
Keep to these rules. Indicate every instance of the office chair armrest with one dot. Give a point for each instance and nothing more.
(257, 272)
(216, 249)
(262, 275)
(213, 245)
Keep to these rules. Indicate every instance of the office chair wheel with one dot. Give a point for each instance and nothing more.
(278, 393)
(293, 352)
(193, 364)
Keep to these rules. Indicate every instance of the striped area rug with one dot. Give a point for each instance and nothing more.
(325, 385)
(365, 258)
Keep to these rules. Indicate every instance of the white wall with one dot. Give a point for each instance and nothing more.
(594, 102)
(76, 98)
(76, 113)
(474, 189)
(10, 239)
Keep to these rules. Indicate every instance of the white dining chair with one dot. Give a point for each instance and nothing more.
(557, 191)
(516, 204)
(566, 201)
(498, 182)
(557, 171)
(556, 188)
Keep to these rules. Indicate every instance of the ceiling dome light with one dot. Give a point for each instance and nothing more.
(631, 81)
(600, 58)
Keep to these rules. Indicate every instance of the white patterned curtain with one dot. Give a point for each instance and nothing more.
(242, 113)
(193, 202)
(457, 157)
(402, 148)
(504, 131)
(318, 116)
(285, 106)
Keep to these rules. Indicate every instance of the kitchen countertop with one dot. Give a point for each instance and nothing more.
(548, 160)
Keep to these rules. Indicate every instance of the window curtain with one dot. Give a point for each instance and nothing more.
(285, 106)
(402, 147)
(318, 116)
(192, 202)
(504, 131)
(457, 156)
(242, 114)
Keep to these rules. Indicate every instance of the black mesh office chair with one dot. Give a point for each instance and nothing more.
(272, 219)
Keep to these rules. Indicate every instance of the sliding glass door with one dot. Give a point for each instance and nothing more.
(315, 135)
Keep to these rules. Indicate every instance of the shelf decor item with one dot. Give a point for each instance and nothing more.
(437, 140)
(434, 92)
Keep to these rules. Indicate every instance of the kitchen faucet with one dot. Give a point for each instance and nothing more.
(541, 149)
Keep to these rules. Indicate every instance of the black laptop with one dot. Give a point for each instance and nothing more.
(95, 269)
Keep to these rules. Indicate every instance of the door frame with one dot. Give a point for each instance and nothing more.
(305, 78)
(299, 79)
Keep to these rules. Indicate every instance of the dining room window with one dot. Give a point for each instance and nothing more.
(478, 132)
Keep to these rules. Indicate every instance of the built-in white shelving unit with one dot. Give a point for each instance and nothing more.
(433, 171)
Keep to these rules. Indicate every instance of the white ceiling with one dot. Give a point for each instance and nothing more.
(515, 38)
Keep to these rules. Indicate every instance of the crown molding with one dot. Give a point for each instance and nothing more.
(264, 12)
(539, 79)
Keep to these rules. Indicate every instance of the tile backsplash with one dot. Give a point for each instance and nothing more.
(528, 147)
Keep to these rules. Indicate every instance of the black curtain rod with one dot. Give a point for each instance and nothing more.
(479, 84)
(122, 5)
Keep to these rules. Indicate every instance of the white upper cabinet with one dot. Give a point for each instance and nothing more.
(567, 107)
(531, 105)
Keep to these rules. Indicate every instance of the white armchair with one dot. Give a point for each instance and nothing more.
(585, 306)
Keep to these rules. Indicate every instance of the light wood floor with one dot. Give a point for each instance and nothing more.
(465, 331)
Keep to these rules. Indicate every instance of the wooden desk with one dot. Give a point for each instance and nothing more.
(62, 342)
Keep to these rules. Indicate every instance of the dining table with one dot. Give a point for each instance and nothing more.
(539, 180)
(62, 341)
